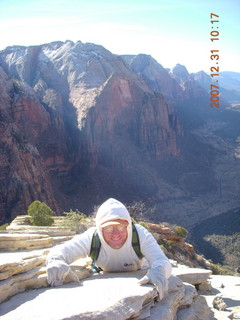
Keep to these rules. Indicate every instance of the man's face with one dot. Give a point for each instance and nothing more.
(116, 235)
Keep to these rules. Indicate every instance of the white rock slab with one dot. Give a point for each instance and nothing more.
(197, 310)
(228, 287)
(111, 296)
(21, 271)
(20, 262)
(51, 231)
(181, 303)
(192, 275)
(14, 242)
(34, 278)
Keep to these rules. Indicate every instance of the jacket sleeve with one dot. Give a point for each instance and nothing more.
(78, 247)
(152, 251)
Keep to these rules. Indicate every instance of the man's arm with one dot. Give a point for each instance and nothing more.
(61, 256)
(152, 251)
(160, 266)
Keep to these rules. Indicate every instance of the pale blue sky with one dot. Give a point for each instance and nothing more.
(171, 31)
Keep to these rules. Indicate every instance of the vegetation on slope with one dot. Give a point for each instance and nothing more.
(218, 239)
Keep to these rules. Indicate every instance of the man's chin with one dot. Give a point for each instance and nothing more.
(116, 245)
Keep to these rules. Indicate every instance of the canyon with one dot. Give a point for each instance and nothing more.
(79, 124)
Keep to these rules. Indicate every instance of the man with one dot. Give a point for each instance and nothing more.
(116, 254)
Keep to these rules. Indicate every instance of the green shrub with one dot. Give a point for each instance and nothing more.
(181, 232)
(73, 219)
(168, 245)
(40, 214)
(144, 225)
(218, 269)
(4, 226)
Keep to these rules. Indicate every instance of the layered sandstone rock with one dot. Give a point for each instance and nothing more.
(194, 276)
(13, 242)
(76, 108)
(18, 263)
(79, 124)
(23, 173)
(21, 235)
(23, 271)
(115, 296)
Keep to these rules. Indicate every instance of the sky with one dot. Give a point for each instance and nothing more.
(171, 31)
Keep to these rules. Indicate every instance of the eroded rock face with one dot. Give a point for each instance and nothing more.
(23, 123)
(115, 296)
(192, 275)
(79, 124)
(14, 242)
(73, 108)
(155, 75)
(13, 264)
(25, 294)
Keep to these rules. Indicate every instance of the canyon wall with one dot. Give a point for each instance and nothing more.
(80, 124)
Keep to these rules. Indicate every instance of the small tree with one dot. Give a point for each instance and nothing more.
(73, 219)
(40, 213)
(181, 232)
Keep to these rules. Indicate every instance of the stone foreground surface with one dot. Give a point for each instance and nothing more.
(192, 275)
(14, 242)
(21, 271)
(109, 296)
(228, 289)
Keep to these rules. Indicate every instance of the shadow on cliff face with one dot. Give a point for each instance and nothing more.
(91, 187)
(208, 250)
(218, 238)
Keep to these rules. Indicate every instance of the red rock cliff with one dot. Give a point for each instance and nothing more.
(76, 107)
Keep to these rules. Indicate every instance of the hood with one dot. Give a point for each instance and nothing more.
(112, 209)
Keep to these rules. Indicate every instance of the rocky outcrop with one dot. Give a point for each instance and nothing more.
(76, 111)
(194, 276)
(190, 87)
(18, 263)
(177, 248)
(21, 271)
(26, 270)
(21, 235)
(24, 291)
(180, 73)
(80, 124)
(116, 295)
(23, 172)
(14, 242)
(224, 297)
(21, 224)
(155, 75)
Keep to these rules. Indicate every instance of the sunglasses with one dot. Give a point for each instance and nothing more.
(119, 227)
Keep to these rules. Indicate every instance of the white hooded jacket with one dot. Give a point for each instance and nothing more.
(109, 259)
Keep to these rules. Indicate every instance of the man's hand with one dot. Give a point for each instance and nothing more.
(155, 277)
(57, 270)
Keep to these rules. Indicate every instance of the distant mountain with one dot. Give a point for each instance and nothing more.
(203, 79)
(180, 73)
(229, 85)
(79, 124)
(155, 76)
(230, 80)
